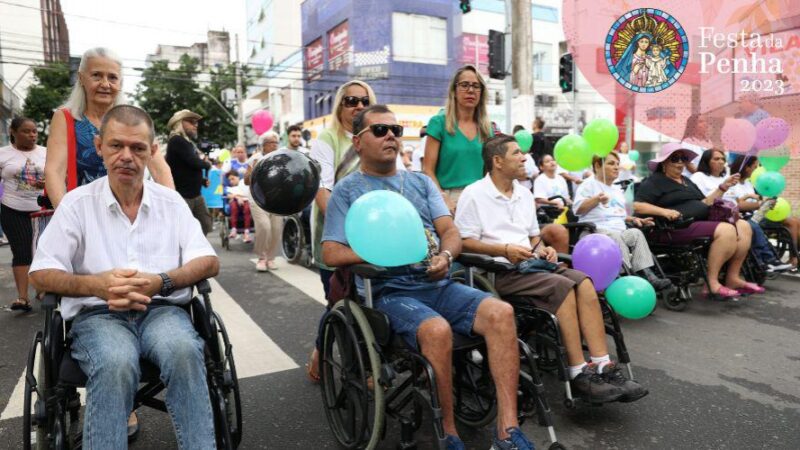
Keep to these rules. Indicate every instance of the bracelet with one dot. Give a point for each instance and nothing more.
(720, 187)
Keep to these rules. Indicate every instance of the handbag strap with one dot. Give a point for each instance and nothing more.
(72, 151)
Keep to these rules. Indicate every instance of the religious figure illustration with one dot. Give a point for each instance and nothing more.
(659, 66)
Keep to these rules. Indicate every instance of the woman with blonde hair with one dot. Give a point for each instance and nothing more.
(71, 154)
(456, 135)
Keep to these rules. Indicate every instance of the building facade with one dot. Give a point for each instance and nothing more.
(55, 35)
(216, 51)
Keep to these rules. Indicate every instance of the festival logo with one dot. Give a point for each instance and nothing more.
(646, 50)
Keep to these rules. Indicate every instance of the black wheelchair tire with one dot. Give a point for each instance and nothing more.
(228, 392)
(224, 229)
(292, 240)
(30, 405)
(356, 338)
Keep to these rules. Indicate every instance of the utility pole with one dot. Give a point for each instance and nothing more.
(509, 82)
(239, 99)
(522, 60)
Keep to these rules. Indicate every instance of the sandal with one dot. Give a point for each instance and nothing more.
(724, 293)
(312, 377)
(21, 304)
(133, 428)
(750, 288)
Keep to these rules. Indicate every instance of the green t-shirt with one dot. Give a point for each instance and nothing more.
(460, 161)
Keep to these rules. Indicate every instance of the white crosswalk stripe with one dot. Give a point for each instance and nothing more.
(304, 279)
(255, 353)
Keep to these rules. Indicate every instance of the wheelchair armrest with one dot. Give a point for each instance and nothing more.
(565, 258)
(50, 301)
(366, 270)
(203, 287)
(485, 262)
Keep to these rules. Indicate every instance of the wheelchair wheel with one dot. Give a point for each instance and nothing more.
(355, 410)
(474, 398)
(673, 299)
(292, 240)
(229, 396)
(224, 229)
(34, 417)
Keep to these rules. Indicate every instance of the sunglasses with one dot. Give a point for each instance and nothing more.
(380, 130)
(675, 159)
(352, 101)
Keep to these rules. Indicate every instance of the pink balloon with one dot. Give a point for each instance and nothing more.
(262, 121)
(771, 132)
(738, 135)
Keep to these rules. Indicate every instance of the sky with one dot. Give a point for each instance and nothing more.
(133, 29)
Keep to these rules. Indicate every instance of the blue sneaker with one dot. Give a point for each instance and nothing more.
(454, 443)
(516, 441)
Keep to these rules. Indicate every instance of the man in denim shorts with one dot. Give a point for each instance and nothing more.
(423, 305)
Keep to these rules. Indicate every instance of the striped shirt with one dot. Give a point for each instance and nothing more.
(89, 234)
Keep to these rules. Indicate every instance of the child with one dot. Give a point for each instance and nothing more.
(238, 198)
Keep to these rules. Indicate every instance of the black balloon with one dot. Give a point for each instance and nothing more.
(284, 182)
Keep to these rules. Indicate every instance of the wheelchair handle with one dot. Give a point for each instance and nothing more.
(203, 287)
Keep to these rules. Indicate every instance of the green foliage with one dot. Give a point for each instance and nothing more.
(164, 91)
(49, 91)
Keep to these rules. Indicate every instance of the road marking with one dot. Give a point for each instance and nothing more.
(298, 276)
(254, 352)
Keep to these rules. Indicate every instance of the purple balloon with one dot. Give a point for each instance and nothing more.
(771, 132)
(599, 257)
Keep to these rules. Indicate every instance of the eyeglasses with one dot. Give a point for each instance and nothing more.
(270, 142)
(675, 159)
(380, 130)
(351, 101)
(466, 86)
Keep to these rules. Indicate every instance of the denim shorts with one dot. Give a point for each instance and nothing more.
(407, 309)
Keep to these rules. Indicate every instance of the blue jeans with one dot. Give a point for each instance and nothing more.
(760, 244)
(108, 345)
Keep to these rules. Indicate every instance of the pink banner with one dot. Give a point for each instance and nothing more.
(475, 51)
(314, 60)
(339, 46)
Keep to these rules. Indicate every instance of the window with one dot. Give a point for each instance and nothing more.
(544, 13)
(419, 39)
(543, 62)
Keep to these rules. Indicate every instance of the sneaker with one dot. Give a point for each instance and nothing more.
(454, 443)
(777, 266)
(593, 387)
(271, 264)
(233, 234)
(632, 390)
(247, 238)
(261, 265)
(516, 441)
(3, 241)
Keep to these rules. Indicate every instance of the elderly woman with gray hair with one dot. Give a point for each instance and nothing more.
(71, 156)
(268, 226)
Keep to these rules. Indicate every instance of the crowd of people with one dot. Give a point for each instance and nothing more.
(475, 189)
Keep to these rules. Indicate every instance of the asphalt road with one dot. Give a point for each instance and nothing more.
(721, 376)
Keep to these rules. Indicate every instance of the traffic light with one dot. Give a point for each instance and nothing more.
(465, 6)
(566, 75)
(497, 55)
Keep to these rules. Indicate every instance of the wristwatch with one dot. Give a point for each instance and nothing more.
(167, 287)
(449, 256)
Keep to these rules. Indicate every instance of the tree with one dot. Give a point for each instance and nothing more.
(164, 91)
(217, 125)
(49, 91)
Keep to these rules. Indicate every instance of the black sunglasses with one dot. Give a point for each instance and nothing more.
(380, 130)
(352, 101)
(675, 159)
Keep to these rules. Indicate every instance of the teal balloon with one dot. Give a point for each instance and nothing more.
(770, 184)
(385, 229)
(524, 139)
(633, 155)
(631, 297)
(572, 153)
(601, 135)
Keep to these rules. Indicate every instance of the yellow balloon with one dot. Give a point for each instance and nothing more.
(780, 211)
(562, 219)
(224, 155)
(756, 173)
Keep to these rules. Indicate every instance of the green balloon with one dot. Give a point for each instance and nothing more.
(780, 211)
(633, 155)
(601, 135)
(756, 173)
(770, 184)
(631, 297)
(773, 163)
(524, 139)
(572, 153)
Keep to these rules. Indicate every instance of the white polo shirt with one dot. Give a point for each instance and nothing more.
(90, 234)
(485, 214)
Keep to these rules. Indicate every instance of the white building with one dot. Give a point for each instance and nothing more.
(216, 51)
(275, 50)
(20, 43)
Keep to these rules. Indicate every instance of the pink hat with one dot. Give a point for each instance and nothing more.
(666, 151)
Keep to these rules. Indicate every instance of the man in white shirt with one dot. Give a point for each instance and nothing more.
(496, 217)
(419, 153)
(124, 253)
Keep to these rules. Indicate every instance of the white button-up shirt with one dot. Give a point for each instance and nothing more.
(89, 234)
(485, 214)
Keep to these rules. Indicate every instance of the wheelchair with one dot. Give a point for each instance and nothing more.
(296, 238)
(368, 374)
(227, 220)
(785, 247)
(51, 411)
(537, 327)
